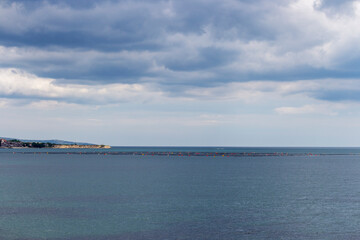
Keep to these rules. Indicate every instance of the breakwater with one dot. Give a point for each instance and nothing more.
(183, 154)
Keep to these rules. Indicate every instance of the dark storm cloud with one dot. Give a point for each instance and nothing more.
(77, 4)
(101, 26)
(116, 26)
(229, 19)
(119, 25)
(176, 43)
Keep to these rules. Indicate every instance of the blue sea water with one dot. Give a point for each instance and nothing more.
(90, 196)
(129, 149)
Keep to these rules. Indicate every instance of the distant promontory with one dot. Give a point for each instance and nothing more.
(15, 143)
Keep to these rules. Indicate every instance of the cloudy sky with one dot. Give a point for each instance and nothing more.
(181, 72)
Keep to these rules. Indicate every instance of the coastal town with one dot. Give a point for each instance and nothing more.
(14, 143)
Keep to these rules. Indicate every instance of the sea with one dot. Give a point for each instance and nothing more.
(178, 193)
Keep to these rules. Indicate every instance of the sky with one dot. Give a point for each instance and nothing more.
(181, 72)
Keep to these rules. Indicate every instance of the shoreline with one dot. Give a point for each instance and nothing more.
(73, 146)
(18, 144)
(64, 147)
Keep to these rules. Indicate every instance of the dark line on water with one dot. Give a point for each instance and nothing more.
(189, 154)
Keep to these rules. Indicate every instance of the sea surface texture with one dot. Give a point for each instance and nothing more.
(300, 193)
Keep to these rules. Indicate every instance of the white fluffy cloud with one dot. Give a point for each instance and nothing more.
(307, 109)
(19, 84)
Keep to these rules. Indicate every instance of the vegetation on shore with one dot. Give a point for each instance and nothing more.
(15, 143)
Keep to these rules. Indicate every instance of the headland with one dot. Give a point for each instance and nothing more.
(14, 143)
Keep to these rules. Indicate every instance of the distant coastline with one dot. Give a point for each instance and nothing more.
(15, 143)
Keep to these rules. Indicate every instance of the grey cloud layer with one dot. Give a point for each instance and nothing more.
(181, 44)
(16, 84)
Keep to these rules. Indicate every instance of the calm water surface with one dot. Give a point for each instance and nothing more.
(158, 197)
